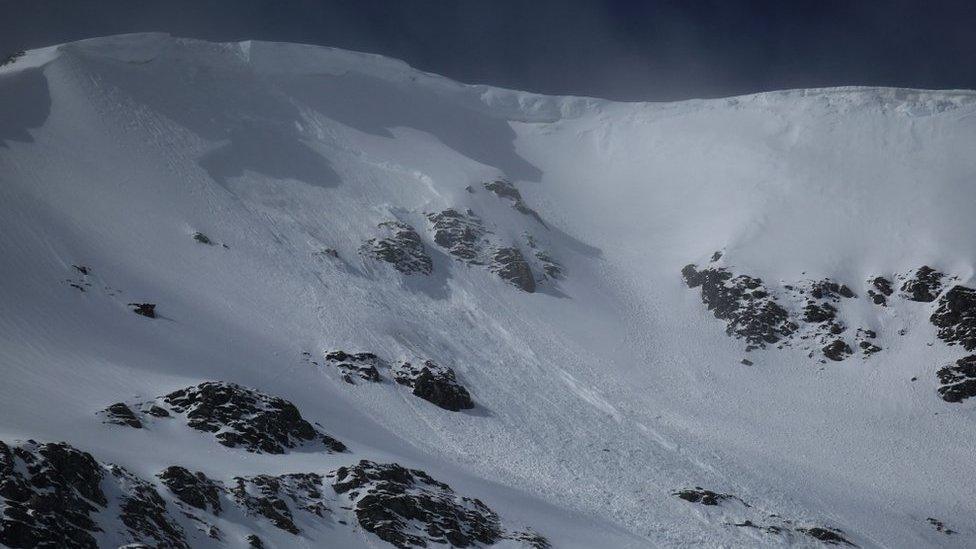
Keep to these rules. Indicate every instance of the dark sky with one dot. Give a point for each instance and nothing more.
(653, 50)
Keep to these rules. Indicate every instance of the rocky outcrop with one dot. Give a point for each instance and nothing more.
(12, 58)
(53, 495)
(464, 236)
(50, 495)
(144, 512)
(193, 489)
(880, 290)
(277, 498)
(246, 418)
(837, 350)
(828, 289)
(434, 383)
(750, 311)
(956, 317)
(503, 188)
(408, 508)
(819, 312)
(147, 310)
(120, 414)
(511, 266)
(81, 281)
(959, 380)
(865, 341)
(202, 238)
(402, 247)
(924, 285)
(940, 526)
(461, 234)
(239, 417)
(355, 365)
(704, 497)
(830, 536)
(550, 266)
(761, 520)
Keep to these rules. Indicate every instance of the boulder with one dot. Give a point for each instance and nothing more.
(435, 384)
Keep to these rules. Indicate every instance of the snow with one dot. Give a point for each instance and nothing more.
(597, 396)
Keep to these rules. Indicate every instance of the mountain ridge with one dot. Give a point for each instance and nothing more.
(276, 218)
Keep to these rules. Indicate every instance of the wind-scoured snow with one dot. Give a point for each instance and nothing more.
(599, 394)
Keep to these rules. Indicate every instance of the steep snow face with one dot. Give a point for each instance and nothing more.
(306, 226)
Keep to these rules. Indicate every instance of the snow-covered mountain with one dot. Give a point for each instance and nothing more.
(290, 296)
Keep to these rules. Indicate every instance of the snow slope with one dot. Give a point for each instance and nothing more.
(598, 395)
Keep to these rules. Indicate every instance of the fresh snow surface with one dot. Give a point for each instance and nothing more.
(598, 395)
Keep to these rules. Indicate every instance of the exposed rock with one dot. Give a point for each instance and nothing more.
(144, 309)
(819, 312)
(246, 418)
(154, 410)
(194, 489)
(830, 536)
(120, 414)
(868, 348)
(460, 234)
(48, 496)
(402, 247)
(749, 310)
(202, 238)
(837, 350)
(940, 526)
(505, 189)
(924, 285)
(327, 252)
(549, 265)
(12, 58)
(510, 265)
(254, 542)
(882, 289)
(144, 512)
(958, 381)
(704, 497)
(956, 317)
(746, 362)
(434, 383)
(828, 289)
(864, 337)
(408, 508)
(360, 365)
(82, 269)
(531, 539)
(269, 496)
